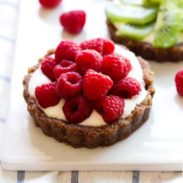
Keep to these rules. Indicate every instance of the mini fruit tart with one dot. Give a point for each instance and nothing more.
(152, 29)
(89, 95)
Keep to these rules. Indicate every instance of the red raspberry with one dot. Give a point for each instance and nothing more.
(49, 3)
(77, 109)
(96, 85)
(69, 84)
(179, 82)
(47, 66)
(73, 21)
(126, 88)
(47, 95)
(63, 67)
(89, 59)
(111, 108)
(108, 47)
(101, 45)
(66, 50)
(116, 66)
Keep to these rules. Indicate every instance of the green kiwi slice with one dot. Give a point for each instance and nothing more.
(152, 2)
(149, 3)
(166, 37)
(130, 14)
(133, 2)
(135, 32)
(168, 26)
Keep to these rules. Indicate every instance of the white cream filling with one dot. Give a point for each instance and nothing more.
(55, 111)
(37, 79)
(95, 119)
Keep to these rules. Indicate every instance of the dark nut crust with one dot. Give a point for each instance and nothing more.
(91, 137)
(146, 50)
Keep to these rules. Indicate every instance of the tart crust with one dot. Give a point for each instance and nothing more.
(146, 50)
(86, 136)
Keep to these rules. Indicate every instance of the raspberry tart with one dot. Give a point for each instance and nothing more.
(149, 28)
(89, 95)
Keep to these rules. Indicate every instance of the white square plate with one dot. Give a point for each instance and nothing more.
(157, 145)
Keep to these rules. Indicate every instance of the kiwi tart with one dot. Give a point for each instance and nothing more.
(152, 29)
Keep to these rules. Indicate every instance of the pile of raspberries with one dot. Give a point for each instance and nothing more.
(89, 76)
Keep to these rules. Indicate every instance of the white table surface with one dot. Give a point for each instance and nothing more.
(8, 20)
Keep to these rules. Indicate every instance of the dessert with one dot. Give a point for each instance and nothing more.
(151, 29)
(89, 95)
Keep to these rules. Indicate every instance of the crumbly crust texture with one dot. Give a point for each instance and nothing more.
(86, 136)
(146, 50)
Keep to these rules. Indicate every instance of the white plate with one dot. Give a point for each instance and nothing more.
(157, 145)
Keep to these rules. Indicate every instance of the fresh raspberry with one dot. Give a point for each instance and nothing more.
(47, 66)
(93, 44)
(69, 84)
(108, 47)
(49, 3)
(179, 82)
(96, 85)
(66, 50)
(111, 108)
(89, 59)
(126, 88)
(77, 109)
(63, 67)
(101, 45)
(47, 95)
(116, 66)
(73, 21)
